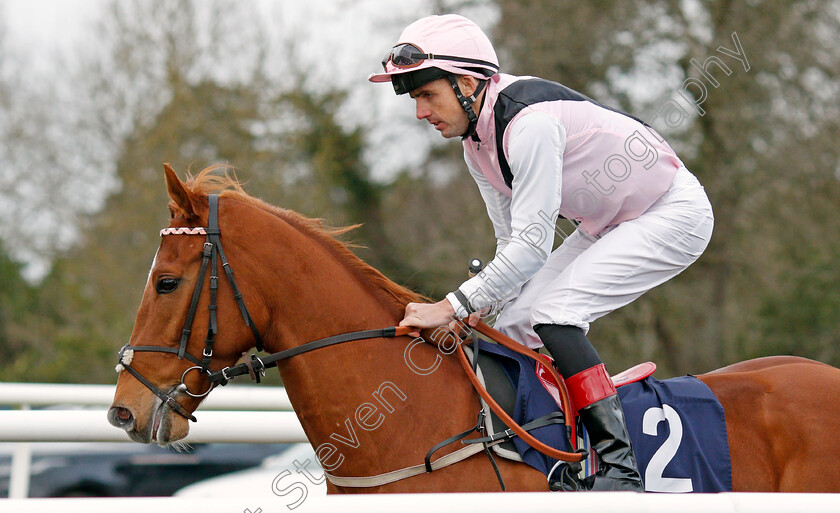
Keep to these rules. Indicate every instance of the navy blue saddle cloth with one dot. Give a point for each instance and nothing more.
(677, 427)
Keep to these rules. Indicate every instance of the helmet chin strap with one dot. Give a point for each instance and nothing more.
(466, 104)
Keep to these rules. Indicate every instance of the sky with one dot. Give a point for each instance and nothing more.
(43, 30)
(44, 25)
(344, 40)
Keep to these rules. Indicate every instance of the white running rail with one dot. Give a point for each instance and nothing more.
(272, 422)
(223, 398)
(92, 426)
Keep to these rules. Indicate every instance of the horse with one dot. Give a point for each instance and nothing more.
(377, 404)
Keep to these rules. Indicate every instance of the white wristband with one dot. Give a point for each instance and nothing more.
(460, 310)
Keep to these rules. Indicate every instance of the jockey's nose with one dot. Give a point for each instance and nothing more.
(121, 417)
(423, 112)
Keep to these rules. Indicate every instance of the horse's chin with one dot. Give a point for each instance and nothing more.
(168, 427)
(163, 428)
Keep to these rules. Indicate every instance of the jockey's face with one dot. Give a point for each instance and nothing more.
(437, 103)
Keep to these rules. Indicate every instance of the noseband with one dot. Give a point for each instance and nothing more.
(212, 253)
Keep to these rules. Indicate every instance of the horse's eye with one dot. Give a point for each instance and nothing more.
(166, 285)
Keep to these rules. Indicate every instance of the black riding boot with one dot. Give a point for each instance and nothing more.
(604, 422)
(596, 400)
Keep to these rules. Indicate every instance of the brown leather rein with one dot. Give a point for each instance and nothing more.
(568, 411)
(261, 364)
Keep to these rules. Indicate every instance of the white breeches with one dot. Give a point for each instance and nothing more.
(588, 277)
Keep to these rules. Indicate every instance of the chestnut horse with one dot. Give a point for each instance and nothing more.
(379, 404)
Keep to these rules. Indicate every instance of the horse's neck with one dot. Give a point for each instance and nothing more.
(315, 291)
(373, 406)
(339, 303)
(314, 305)
(341, 306)
(356, 399)
(359, 397)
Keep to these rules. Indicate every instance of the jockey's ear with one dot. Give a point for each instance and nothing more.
(468, 84)
(182, 198)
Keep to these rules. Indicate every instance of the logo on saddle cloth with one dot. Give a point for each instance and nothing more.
(677, 426)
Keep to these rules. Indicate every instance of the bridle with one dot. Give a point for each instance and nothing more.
(211, 255)
(253, 365)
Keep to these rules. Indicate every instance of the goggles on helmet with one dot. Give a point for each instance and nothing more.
(407, 55)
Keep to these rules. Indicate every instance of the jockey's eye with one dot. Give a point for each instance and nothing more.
(166, 285)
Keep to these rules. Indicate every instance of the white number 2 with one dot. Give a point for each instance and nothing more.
(654, 482)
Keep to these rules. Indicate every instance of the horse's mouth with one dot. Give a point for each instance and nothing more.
(160, 426)
(157, 420)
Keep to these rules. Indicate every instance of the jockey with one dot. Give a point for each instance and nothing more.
(538, 150)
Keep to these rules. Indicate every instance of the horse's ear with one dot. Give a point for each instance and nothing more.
(181, 196)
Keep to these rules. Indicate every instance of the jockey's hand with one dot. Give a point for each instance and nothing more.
(427, 315)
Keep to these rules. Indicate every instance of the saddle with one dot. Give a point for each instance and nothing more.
(677, 426)
(530, 394)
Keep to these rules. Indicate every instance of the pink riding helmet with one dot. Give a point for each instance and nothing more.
(450, 43)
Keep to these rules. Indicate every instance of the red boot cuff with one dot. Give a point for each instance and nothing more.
(590, 386)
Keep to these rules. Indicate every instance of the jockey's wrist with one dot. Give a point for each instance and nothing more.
(460, 304)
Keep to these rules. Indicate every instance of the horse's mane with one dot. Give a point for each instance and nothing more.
(211, 180)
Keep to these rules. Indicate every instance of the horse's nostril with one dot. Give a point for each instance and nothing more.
(120, 417)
